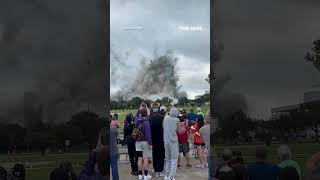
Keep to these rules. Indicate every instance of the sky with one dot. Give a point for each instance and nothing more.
(45, 48)
(264, 46)
(160, 20)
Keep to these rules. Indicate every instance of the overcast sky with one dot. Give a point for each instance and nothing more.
(160, 20)
(264, 46)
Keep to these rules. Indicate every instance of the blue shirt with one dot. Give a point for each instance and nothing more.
(192, 116)
(263, 171)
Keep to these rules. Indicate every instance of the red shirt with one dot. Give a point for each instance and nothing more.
(183, 133)
(197, 137)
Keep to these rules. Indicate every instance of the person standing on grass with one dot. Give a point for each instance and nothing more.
(183, 141)
(289, 168)
(205, 134)
(142, 134)
(198, 141)
(158, 152)
(262, 169)
(130, 142)
(170, 137)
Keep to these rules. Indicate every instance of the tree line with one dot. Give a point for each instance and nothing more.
(81, 130)
(182, 102)
(240, 127)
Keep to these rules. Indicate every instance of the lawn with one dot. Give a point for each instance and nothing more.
(38, 167)
(44, 165)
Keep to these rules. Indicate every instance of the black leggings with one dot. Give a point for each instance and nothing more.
(133, 158)
(158, 155)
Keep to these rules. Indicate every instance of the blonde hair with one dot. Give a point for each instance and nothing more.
(284, 152)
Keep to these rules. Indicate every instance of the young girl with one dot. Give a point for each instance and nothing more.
(198, 141)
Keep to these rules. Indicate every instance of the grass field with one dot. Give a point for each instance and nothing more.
(42, 166)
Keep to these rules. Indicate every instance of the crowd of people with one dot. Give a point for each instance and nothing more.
(233, 167)
(157, 136)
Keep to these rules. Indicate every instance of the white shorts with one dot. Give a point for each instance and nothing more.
(145, 148)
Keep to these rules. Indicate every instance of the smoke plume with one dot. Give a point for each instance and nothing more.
(154, 80)
(225, 102)
(52, 50)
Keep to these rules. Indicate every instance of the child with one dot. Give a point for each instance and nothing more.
(183, 140)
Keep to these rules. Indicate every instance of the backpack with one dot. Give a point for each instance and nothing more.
(137, 133)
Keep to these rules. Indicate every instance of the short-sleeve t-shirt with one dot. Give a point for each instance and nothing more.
(182, 132)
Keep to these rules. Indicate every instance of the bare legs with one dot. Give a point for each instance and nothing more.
(145, 163)
(200, 150)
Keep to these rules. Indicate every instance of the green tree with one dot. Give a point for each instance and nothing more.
(90, 124)
(135, 102)
(166, 101)
(183, 101)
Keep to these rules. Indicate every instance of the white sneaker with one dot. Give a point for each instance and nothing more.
(161, 174)
(166, 178)
(147, 177)
(200, 166)
(140, 177)
(156, 174)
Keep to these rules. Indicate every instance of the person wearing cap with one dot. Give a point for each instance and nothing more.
(183, 141)
(158, 153)
(170, 137)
